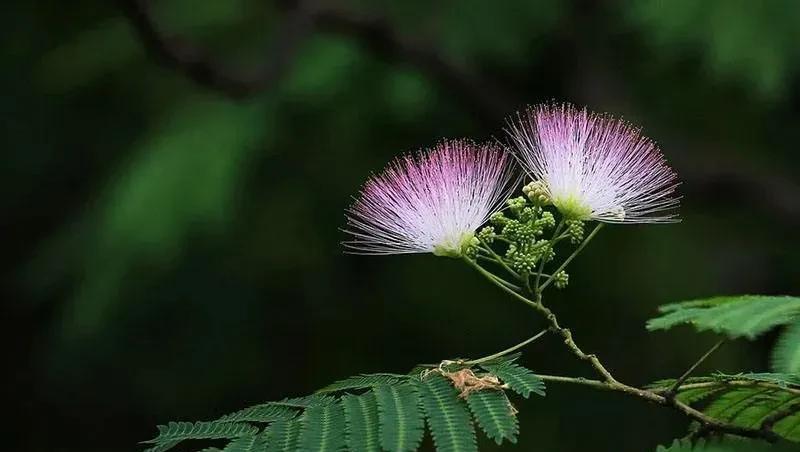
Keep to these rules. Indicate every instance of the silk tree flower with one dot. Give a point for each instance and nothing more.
(432, 201)
(593, 167)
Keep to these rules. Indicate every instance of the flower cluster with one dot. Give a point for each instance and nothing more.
(594, 167)
(587, 166)
(433, 201)
(523, 229)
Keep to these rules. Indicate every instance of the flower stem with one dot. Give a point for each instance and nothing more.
(608, 382)
(571, 257)
(553, 241)
(497, 281)
(499, 259)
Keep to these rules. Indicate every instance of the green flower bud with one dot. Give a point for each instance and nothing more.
(516, 204)
(547, 220)
(575, 231)
(498, 218)
(487, 234)
(538, 193)
(511, 229)
(470, 247)
(560, 279)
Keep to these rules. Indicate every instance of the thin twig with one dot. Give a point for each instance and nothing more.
(199, 66)
(541, 262)
(769, 422)
(609, 383)
(674, 389)
(708, 423)
(571, 257)
(508, 350)
(486, 247)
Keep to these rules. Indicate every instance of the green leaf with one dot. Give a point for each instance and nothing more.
(364, 381)
(175, 432)
(249, 443)
(738, 316)
(283, 435)
(401, 423)
(782, 380)
(305, 401)
(494, 413)
(786, 354)
(751, 406)
(520, 379)
(163, 446)
(448, 417)
(323, 428)
(361, 415)
(727, 445)
(265, 412)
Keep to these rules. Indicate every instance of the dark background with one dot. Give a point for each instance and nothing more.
(172, 195)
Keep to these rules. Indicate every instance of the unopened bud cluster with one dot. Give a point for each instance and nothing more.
(561, 279)
(537, 193)
(523, 227)
(575, 231)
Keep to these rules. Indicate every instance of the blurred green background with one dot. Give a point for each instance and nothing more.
(172, 197)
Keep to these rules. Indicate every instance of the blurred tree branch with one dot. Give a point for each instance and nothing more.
(487, 101)
(594, 82)
(195, 63)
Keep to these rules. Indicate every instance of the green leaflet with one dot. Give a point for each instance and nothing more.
(305, 401)
(786, 354)
(361, 416)
(730, 445)
(370, 413)
(747, 399)
(162, 446)
(323, 428)
(364, 381)
(283, 435)
(518, 378)
(401, 423)
(265, 412)
(494, 413)
(249, 443)
(175, 432)
(738, 316)
(447, 415)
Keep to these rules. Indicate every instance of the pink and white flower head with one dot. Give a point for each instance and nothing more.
(433, 201)
(595, 167)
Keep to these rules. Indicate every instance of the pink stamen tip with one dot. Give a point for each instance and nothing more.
(431, 201)
(596, 165)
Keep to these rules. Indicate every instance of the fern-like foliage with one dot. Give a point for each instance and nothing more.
(786, 354)
(364, 381)
(740, 316)
(361, 415)
(373, 412)
(495, 415)
(447, 415)
(265, 412)
(749, 400)
(283, 435)
(726, 445)
(521, 380)
(175, 432)
(249, 443)
(323, 428)
(401, 422)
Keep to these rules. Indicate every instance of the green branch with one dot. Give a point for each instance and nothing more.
(608, 382)
(571, 257)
